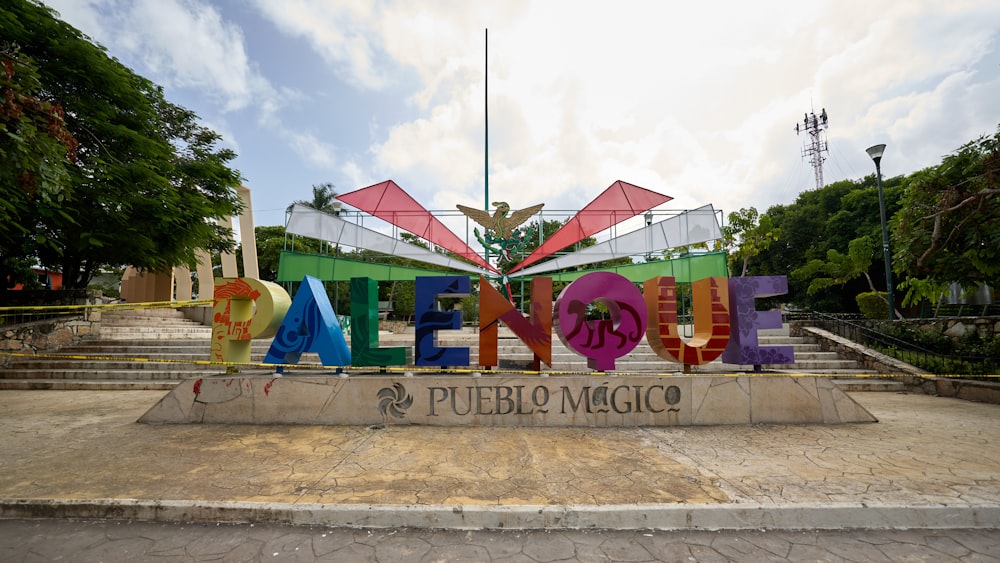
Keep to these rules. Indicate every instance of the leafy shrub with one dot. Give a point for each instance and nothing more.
(873, 305)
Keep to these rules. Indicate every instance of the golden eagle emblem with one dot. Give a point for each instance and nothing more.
(499, 223)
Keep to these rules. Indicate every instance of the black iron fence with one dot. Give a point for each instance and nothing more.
(934, 361)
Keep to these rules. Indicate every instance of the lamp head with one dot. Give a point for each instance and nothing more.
(649, 218)
(875, 151)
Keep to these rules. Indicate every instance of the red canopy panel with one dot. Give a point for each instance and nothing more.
(389, 202)
(619, 202)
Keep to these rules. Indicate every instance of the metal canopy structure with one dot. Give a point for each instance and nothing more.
(691, 227)
(292, 266)
(684, 269)
(619, 202)
(387, 201)
(308, 222)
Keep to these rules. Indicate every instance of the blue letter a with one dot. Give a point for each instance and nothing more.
(310, 326)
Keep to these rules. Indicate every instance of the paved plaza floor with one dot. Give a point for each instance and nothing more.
(112, 541)
(929, 464)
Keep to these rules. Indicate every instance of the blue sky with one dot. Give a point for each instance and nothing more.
(696, 100)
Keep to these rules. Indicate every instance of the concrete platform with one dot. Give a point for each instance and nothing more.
(496, 400)
(930, 462)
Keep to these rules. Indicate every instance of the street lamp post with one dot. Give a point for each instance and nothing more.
(876, 153)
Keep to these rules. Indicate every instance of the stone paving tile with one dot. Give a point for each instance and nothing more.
(86, 445)
(85, 541)
(924, 449)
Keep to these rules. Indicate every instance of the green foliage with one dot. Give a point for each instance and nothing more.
(971, 353)
(873, 305)
(948, 229)
(324, 198)
(919, 289)
(108, 290)
(271, 241)
(36, 153)
(470, 309)
(404, 299)
(147, 181)
(838, 269)
(747, 235)
(820, 221)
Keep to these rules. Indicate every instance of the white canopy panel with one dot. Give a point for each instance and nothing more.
(691, 227)
(308, 222)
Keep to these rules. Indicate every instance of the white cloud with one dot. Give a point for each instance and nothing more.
(341, 32)
(697, 100)
(190, 44)
(182, 43)
(313, 150)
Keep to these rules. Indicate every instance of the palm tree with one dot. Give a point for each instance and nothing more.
(324, 199)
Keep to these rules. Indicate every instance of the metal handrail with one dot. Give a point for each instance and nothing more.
(903, 350)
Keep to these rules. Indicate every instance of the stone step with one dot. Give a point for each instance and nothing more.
(176, 350)
(145, 313)
(167, 364)
(869, 384)
(157, 361)
(85, 385)
(110, 374)
(151, 322)
(148, 331)
(167, 335)
(169, 348)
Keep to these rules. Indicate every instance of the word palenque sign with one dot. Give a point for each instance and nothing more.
(725, 321)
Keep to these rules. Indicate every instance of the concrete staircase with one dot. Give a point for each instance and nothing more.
(155, 349)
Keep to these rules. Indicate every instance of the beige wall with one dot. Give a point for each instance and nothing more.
(143, 287)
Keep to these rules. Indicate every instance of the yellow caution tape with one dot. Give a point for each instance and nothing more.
(115, 306)
(449, 370)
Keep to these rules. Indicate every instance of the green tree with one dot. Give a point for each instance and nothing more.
(324, 198)
(549, 228)
(270, 242)
(948, 228)
(748, 234)
(839, 268)
(822, 220)
(148, 180)
(36, 151)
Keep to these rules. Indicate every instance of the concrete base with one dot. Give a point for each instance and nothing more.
(448, 400)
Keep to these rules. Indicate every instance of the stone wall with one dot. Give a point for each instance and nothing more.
(51, 334)
(915, 379)
(969, 390)
(948, 326)
(866, 357)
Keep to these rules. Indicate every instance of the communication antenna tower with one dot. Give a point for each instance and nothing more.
(816, 145)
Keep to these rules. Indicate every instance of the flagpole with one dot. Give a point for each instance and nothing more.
(486, 128)
(486, 116)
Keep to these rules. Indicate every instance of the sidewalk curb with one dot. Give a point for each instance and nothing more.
(569, 517)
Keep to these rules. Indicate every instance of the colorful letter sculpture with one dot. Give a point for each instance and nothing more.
(364, 328)
(244, 309)
(710, 302)
(602, 341)
(745, 320)
(725, 322)
(535, 331)
(309, 326)
(430, 319)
